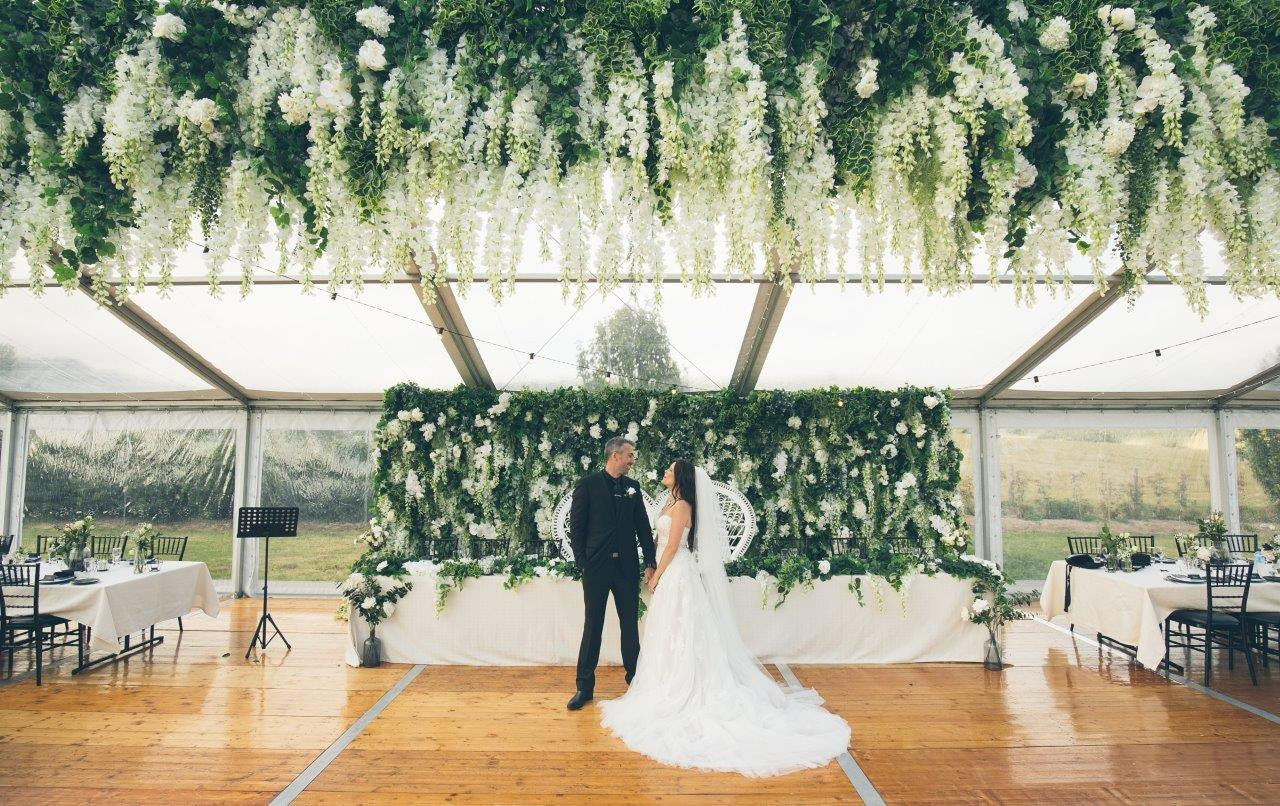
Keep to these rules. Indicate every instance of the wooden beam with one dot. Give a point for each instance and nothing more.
(1248, 385)
(1075, 321)
(766, 315)
(446, 316)
(144, 325)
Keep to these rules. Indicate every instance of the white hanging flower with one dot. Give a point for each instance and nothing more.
(382, 566)
(901, 427)
(1056, 35)
(376, 18)
(413, 485)
(793, 422)
(372, 55)
(824, 567)
(169, 26)
(1017, 11)
(860, 509)
(1117, 135)
(868, 81)
(930, 401)
(595, 431)
(404, 415)
(369, 603)
(895, 403)
(980, 606)
(295, 106)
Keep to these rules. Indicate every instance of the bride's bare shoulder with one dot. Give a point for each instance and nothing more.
(681, 506)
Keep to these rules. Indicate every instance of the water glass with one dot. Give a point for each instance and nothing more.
(115, 555)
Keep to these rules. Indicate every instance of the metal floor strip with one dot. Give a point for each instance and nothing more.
(861, 783)
(313, 770)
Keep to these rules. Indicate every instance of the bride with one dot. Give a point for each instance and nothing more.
(699, 699)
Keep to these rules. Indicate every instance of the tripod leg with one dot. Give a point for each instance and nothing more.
(277, 627)
(253, 642)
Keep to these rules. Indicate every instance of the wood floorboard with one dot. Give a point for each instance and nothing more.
(193, 722)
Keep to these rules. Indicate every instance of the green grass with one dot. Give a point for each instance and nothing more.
(321, 551)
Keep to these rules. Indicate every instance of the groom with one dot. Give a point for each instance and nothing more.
(605, 521)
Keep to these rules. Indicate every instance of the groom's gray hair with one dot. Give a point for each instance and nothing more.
(616, 445)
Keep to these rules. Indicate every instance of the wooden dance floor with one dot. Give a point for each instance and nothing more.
(195, 722)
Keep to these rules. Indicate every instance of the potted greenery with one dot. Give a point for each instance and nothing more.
(992, 607)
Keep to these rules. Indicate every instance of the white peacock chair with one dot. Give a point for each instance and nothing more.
(739, 518)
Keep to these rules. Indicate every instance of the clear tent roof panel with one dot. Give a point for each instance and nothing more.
(705, 332)
(1161, 319)
(829, 336)
(66, 343)
(282, 340)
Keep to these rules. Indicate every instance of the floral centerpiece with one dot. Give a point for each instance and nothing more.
(1213, 530)
(144, 544)
(1117, 548)
(376, 583)
(73, 540)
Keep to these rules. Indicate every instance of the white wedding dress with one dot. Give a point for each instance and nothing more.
(699, 699)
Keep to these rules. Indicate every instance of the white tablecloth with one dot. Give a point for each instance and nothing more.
(540, 624)
(1132, 607)
(123, 602)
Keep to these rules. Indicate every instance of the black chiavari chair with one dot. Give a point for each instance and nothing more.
(1222, 622)
(903, 546)
(1241, 544)
(42, 544)
(437, 549)
(20, 614)
(1143, 543)
(1084, 545)
(849, 546)
(169, 547)
(104, 545)
(542, 549)
(1183, 546)
(5, 544)
(478, 547)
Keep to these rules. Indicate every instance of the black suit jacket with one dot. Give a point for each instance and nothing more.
(596, 526)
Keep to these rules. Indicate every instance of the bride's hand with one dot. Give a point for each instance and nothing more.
(653, 582)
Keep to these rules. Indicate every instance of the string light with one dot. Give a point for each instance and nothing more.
(1159, 351)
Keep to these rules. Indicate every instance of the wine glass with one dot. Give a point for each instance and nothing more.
(115, 555)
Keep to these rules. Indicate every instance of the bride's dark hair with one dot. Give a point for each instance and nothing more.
(686, 489)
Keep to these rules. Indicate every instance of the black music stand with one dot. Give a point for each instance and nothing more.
(266, 522)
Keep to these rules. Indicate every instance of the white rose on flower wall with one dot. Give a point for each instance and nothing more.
(1056, 35)
(169, 26)
(376, 18)
(1083, 85)
(201, 111)
(930, 401)
(868, 81)
(1123, 19)
(372, 55)
(1017, 11)
(824, 566)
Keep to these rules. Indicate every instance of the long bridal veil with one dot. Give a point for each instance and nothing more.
(700, 699)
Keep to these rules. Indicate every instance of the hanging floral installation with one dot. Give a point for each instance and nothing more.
(619, 139)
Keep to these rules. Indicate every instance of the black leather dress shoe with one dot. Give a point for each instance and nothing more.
(580, 699)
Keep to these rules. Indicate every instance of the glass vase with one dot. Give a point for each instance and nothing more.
(139, 562)
(371, 650)
(993, 659)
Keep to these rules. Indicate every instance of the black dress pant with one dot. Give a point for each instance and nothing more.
(620, 576)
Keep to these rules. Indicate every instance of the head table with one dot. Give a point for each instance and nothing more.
(122, 603)
(1130, 607)
(540, 623)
